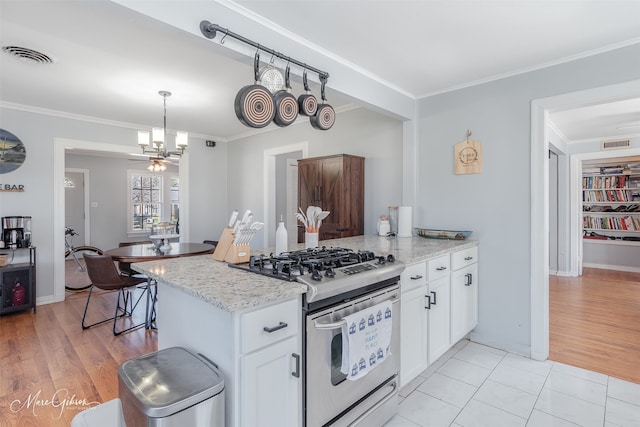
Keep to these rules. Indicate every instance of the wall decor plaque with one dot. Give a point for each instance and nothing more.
(468, 156)
(12, 152)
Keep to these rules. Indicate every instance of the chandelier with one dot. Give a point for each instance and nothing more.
(159, 148)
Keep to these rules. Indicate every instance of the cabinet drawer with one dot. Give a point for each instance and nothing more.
(464, 257)
(263, 327)
(413, 276)
(438, 267)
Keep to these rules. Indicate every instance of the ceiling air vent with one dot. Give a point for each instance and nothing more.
(614, 145)
(27, 55)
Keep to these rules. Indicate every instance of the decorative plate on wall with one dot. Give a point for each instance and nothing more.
(12, 152)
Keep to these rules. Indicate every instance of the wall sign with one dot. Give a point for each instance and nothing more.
(12, 188)
(468, 156)
(12, 152)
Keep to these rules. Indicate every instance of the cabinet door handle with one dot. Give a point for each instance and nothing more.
(434, 297)
(442, 268)
(281, 325)
(468, 258)
(341, 229)
(427, 302)
(296, 373)
(468, 279)
(416, 277)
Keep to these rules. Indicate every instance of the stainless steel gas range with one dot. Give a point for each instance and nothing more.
(341, 282)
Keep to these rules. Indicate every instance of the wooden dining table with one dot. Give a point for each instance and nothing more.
(147, 252)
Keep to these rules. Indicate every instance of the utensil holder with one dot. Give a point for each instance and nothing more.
(310, 240)
(224, 243)
(238, 254)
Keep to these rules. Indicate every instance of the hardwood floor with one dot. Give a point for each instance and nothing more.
(594, 322)
(49, 366)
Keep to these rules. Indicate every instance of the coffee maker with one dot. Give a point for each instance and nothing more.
(16, 232)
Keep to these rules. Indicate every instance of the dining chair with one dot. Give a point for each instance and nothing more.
(211, 242)
(152, 294)
(104, 275)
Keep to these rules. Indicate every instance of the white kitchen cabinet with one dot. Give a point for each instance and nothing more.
(271, 366)
(258, 365)
(425, 316)
(438, 306)
(464, 293)
(414, 319)
(270, 381)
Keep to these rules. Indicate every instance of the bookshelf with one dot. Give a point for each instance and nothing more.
(611, 202)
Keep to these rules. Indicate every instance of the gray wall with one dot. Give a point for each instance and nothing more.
(108, 190)
(207, 180)
(496, 204)
(358, 132)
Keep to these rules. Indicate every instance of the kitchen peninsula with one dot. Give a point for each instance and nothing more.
(251, 325)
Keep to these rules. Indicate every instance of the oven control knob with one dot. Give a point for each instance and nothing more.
(315, 275)
(330, 272)
(381, 260)
(391, 258)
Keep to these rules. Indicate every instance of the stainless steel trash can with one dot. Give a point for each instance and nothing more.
(171, 387)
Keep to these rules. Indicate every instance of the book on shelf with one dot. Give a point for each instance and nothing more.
(611, 170)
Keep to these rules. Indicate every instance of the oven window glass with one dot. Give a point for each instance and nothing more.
(336, 360)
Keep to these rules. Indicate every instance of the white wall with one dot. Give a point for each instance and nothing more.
(358, 132)
(496, 204)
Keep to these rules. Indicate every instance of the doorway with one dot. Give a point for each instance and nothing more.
(76, 204)
(539, 191)
(276, 170)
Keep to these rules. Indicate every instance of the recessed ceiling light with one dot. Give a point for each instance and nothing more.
(27, 55)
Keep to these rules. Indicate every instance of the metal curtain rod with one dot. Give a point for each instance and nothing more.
(210, 30)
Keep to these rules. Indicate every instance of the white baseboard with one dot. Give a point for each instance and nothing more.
(613, 267)
(561, 273)
(49, 299)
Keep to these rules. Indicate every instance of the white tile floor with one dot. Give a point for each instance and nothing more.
(475, 385)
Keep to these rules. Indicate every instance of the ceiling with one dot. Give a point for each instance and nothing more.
(112, 68)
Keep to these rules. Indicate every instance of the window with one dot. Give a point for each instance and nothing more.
(153, 198)
(145, 192)
(174, 196)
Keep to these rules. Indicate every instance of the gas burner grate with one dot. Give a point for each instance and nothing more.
(290, 265)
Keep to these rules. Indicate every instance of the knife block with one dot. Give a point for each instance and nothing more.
(237, 254)
(224, 243)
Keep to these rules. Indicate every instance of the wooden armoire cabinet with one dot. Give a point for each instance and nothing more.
(336, 184)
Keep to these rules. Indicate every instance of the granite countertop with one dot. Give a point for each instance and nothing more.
(232, 289)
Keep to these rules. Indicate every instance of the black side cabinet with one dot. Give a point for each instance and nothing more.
(18, 285)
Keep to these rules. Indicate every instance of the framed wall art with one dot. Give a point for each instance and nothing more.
(12, 152)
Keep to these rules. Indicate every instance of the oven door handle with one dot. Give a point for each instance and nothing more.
(339, 323)
(328, 326)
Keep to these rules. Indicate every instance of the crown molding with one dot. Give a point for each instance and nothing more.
(90, 119)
